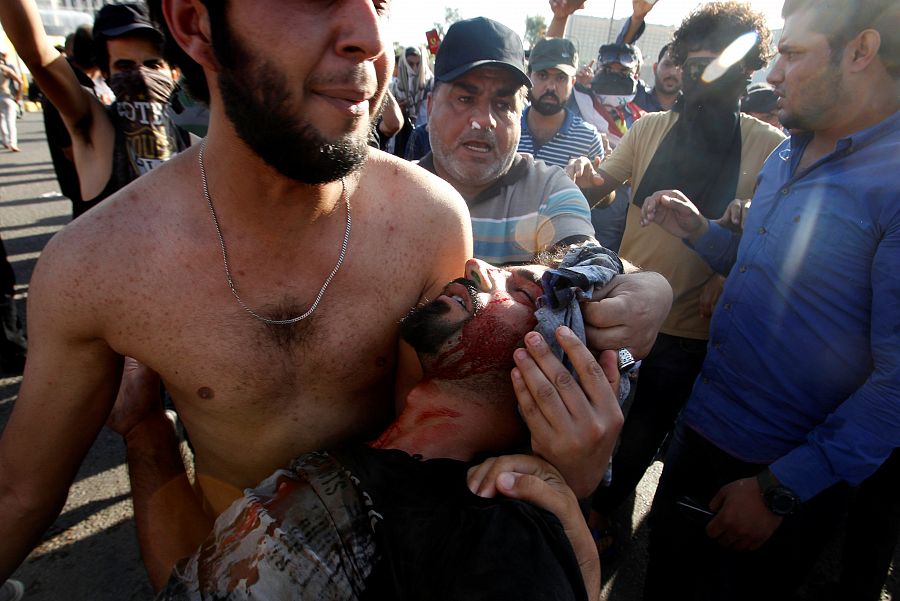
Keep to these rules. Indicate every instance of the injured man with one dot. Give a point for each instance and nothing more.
(395, 519)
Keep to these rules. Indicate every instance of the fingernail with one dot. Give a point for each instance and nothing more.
(565, 331)
(506, 481)
(520, 354)
(533, 339)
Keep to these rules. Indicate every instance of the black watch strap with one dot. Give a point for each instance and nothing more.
(779, 499)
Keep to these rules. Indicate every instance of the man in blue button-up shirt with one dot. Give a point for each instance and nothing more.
(800, 391)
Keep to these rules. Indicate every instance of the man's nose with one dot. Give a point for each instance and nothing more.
(483, 115)
(776, 73)
(361, 31)
(480, 272)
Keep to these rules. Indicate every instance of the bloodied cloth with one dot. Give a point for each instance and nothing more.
(369, 523)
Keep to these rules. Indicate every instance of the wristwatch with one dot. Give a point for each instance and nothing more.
(780, 500)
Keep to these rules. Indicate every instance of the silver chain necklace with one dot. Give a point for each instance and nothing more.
(340, 261)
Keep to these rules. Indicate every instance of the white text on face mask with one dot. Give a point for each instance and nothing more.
(142, 112)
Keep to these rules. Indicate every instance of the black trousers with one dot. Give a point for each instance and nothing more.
(873, 528)
(684, 563)
(664, 384)
(7, 276)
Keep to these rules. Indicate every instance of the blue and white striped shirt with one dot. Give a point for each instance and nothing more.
(576, 138)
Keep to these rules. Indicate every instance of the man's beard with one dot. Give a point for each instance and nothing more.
(257, 101)
(548, 104)
(423, 327)
(820, 95)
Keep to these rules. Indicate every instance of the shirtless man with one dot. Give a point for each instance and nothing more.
(311, 530)
(285, 165)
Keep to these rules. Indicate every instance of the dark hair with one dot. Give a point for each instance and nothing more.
(83, 47)
(193, 77)
(842, 20)
(662, 52)
(715, 25)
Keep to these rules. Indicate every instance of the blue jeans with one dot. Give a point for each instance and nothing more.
(684, 563)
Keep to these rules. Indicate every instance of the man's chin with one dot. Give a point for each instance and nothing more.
(548, 109)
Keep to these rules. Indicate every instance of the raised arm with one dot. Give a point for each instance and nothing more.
(85, 118)
(68, 387)
(634, 25)
(22, 23)
(562, 9)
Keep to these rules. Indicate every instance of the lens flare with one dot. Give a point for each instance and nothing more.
(732, 55)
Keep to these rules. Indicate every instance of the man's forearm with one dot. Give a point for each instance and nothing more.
(22, 23)
(168, 514)
(631, 30)
(557, 28)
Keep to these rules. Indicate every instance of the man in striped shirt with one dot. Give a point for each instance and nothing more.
(550, 131)
(518, 206)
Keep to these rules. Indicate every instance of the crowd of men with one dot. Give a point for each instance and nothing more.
(298, 293)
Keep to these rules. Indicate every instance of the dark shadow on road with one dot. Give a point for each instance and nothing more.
(72, 518)
(45, 171)
(91, 569)
(26, 244)
(58, 221)
(14, 182)
(8, 166)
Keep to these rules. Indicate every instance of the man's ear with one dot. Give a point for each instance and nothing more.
(428, 104)
(862, 50)
(188, 22)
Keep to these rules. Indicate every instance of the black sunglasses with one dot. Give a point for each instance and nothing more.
(693, 68)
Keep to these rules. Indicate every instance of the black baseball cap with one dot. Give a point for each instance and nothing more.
(114, 20)
(554, 53)
(480, 42)
(760, 98)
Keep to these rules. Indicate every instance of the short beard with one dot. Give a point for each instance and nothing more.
(460, 175)
(256, 97)
(544, 108)
(821, 97)
(422, 329)
(547, 109)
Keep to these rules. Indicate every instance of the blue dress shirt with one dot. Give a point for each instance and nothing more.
(803, 369)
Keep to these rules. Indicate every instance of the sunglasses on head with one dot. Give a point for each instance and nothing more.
(614, 55)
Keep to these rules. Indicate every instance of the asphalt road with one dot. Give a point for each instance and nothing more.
(90, 553)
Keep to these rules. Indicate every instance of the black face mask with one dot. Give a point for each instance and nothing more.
(612, 83)
(142, 84)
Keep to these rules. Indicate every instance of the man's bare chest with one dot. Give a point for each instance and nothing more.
(210, 351)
